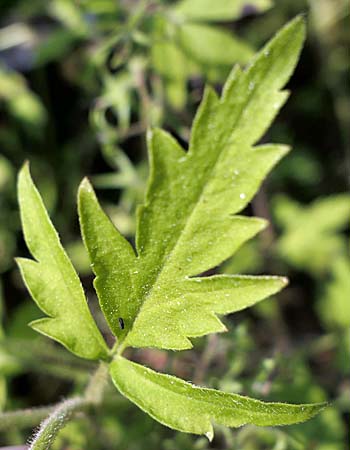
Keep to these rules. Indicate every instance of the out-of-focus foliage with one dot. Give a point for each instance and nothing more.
(3, 387)
(20, 101)
(97, 94)
(312, 238)
(333, 308)
(248, 259)
(7, 227)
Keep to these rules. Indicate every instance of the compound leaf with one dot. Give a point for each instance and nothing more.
(188, 223)
(52, 281)
(193, 409)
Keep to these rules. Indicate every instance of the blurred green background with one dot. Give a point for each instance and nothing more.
(80, 83)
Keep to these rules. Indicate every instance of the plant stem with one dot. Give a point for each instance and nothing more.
(60, 415)
(43, 439)
(95, 388)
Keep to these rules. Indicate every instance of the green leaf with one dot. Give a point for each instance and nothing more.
(21, 102)
(223, 10)
(313, 230)
(181, 51)
(209, 45)
(113, 260)
(248, 259)
(334, 306)
(187, 224)
(185, 407)
(170, 62)
(176, 92)
(52, 280)
(3, 382)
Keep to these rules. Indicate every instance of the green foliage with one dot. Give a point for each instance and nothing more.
(7, 238)
(226, 10)
(129, 65)
(21, 102)
(186, 306)
(184, 50)
(193, 409)
(187, 225)
(334, 306)
(326, 431)
(248, 258)
(313, 230)
(52, 280)
(3, 384)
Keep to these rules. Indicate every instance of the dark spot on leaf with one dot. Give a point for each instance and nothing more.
(249, 9)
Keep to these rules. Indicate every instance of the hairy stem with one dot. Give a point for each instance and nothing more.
(62, 413)
(43, 439)
(95, 388)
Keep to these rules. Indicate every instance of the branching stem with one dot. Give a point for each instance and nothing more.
(61, 413)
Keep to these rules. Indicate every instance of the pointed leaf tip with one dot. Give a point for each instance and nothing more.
(85, 185)
(189, 408)
(210, 435)
(189, 222)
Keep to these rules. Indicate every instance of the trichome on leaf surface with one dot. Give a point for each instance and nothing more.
(188, 224)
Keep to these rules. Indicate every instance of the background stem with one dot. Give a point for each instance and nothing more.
(24, 417)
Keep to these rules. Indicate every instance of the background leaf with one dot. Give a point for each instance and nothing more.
(334, 306)
(224, 10)
(313, 229)
(209, 45)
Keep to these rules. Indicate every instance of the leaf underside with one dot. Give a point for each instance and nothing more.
(189, 223)
(52, 280)
(185, 407)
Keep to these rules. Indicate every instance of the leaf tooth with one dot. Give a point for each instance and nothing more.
(210, 434)
(234, 75)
